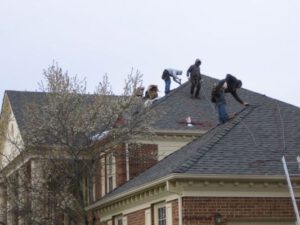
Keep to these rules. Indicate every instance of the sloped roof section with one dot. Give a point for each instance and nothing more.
(23, 104)
(173, 109)
(252, 143)
(19, 100)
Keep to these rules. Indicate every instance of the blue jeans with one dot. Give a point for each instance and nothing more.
(167, 86)
(223, 116)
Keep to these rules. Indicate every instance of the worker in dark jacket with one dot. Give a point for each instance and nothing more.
(229, 84)
(232, 85)
(194, 75)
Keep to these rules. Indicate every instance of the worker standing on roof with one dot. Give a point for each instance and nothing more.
(166, 76)
(194, 75)
(229, 84)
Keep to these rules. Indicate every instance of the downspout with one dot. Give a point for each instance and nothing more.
(180, 209)
(127, 162)
(180, 220)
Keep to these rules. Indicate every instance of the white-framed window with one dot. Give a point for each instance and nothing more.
(118, 220)
(162, 213)
(110, 170)
(160, 216)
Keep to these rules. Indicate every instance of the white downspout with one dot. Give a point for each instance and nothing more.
(127, 162)
(180, 209)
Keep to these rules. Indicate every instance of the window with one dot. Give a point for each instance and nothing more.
(110, 173)
(162, 215)
(110, 183)
(118, 220)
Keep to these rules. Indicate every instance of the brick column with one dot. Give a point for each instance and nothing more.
(3, 201)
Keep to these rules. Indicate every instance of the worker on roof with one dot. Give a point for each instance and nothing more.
(228, 85)
(152, 92)
(194, 75)
(166, 76)
(139, 92)
(232, 85)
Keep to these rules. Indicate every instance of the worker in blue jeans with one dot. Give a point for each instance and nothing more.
(166, 76)
(219, 100)
(229, 84)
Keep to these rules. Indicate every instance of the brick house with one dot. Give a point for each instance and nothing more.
(201, 173)
(122, 166)
(231, 175)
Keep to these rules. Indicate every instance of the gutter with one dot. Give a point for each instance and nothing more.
(180, 132)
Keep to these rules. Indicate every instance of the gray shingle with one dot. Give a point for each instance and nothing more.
(250, 144)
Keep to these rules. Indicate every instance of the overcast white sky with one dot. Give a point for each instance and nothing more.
(256, 40)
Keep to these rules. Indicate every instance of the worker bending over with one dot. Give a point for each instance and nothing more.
(228, 85)
(166, 76)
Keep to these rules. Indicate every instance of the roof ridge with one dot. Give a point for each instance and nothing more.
(162, 99)
(220, 132)
(172, 92)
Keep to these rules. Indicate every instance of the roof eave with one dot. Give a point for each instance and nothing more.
(175, 176)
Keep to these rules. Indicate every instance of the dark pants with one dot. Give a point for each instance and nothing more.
(195, 84)
(223, 116)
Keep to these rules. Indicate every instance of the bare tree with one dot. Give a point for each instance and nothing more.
(66, 134)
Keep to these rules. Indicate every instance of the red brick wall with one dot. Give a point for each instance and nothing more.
(175, 212)
(197, 210)
(136, 218)
(141, 158)
(120, 156)
(98, 186)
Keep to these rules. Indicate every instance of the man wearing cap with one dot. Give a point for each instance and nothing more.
(194, 75)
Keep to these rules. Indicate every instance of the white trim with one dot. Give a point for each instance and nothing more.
(180, 210)
(124, 220)
(236, 193)
(138, 207)
(127, 162)
(148, 217)
(186, 177)
(169, 216)
(180, 132)
(117, 218)
(103, 177)
(157, 206)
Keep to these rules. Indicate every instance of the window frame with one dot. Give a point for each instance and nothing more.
(156, 209)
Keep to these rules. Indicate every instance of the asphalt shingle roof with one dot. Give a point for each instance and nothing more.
(175, 107)
(19, 100)
(171, 109)
(250, 144)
